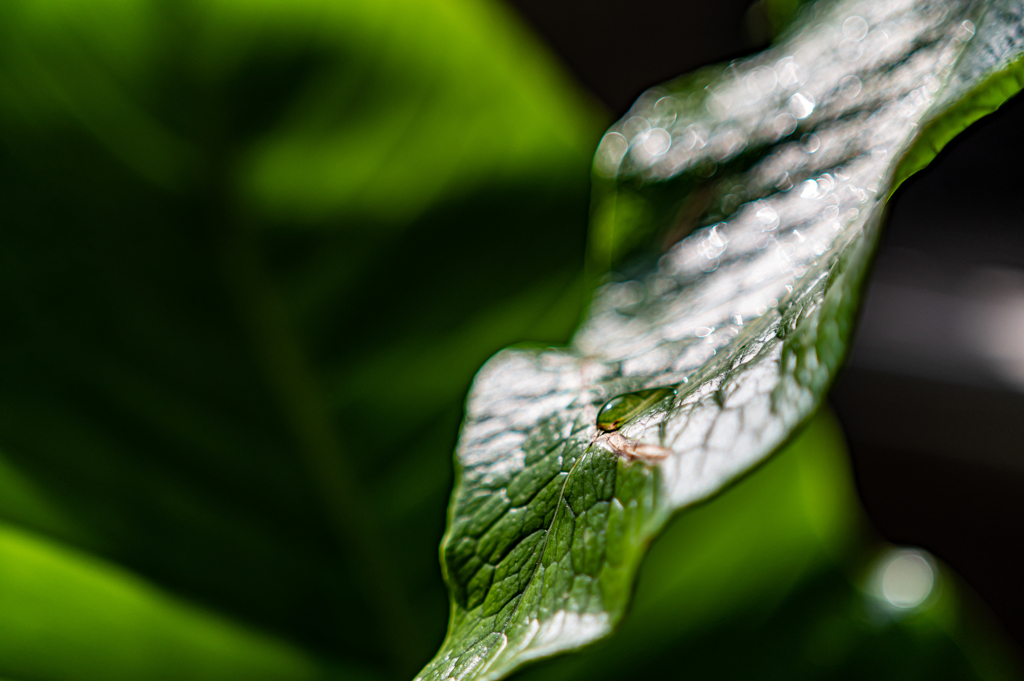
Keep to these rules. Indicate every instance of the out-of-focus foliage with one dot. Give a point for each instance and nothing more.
(69, 616)
(251, 254)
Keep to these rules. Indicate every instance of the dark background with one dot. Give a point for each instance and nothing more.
(935, 426)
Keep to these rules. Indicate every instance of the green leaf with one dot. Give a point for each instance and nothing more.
(742, 205)
(252, 254)
(989, 73)
(772, 579)
(793, 518)
(70, 616)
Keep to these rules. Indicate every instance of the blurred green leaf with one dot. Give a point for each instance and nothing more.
(252, 254)
(69, 616)
(742, 205)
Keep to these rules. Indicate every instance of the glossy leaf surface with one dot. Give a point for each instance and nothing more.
(764, 184)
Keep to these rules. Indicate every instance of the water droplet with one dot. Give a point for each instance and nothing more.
(850, 87)
(784, 124)
(619, 410)
(809, 189)
(610, 152)
(666, 110)
(801, 105)
(855, 28)
(657, 141)
(717, 236)
(635, 126)
(768, 217)
(696, 137)
(789, 72)
(761, 81)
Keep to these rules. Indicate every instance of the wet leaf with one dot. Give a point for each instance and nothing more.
(774, 579)
(741, 206)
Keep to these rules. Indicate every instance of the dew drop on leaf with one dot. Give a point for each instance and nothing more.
(623, 408)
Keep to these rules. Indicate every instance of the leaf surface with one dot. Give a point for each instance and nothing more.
(742, 206)
(769, 580)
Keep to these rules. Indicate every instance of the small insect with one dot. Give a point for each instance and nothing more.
(630, 450)
(619, 410)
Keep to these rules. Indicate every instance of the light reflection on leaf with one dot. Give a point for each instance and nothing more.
(773, 171)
